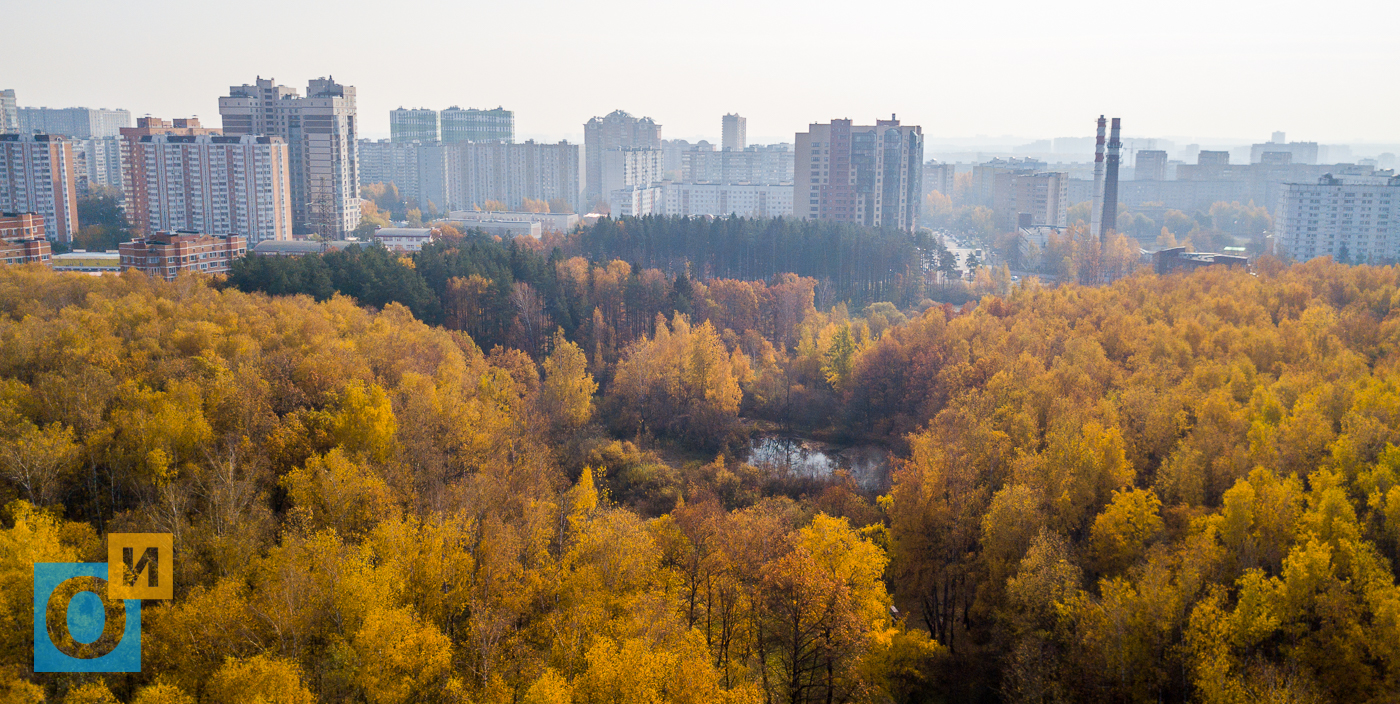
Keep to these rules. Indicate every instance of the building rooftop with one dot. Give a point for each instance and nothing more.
(299, 246)
(403, 232)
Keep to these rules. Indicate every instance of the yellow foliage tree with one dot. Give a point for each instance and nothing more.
(340, 493)
(404, 660)
(566, 394)
(260, 679)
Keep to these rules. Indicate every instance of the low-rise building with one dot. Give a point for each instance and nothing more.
(85, 262)
(25, 250)
(500, 228)
(16, 226)
(165, 254)
(556, 222)
(298, 248)
(403, 239)
(22, 239)
(1176, 259)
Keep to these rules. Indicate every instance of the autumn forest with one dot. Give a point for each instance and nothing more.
(514, 472)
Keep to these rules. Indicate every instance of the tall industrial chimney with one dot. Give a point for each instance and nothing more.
(1110, 185)
(1095, 212)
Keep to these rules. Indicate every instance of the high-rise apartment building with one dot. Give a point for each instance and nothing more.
(674, 153)
(420, 125)
(626, 169)
(99, 163)
(1299, 152)
(939, 177)
(9, 111)
(320, 131)
(134, 180)
(864, 175)
(476, 172)
(1351, 218)
(74, 122)
(210, 184)
(757, 164)
(1210, 159)
(1031, 199)
(472, 125)
(1150, 165)
(734, 135)
(466, 174)
(387, 162)
(616, 130)
(983, 189)
(37, 175)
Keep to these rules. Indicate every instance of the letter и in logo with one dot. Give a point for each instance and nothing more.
(129, 555)
(103, 631)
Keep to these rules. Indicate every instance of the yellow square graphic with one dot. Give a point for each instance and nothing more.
(140, 566)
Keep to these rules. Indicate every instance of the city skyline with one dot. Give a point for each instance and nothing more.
(987, 72)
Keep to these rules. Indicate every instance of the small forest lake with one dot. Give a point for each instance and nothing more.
(799, 457)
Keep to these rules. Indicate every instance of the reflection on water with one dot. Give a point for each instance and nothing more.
(867, 464)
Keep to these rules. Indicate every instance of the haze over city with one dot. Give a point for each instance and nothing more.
(731, 351)
(1192, 71)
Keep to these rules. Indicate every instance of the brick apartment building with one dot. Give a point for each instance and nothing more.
(165, 254)
(22, 239)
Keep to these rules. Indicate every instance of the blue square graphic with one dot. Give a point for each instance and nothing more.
(125, 657)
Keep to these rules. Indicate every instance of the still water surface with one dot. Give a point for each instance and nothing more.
(804, 457)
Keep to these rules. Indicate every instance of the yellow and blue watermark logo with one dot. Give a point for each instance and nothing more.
(87, 615)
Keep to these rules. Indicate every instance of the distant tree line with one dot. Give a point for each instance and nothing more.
(501, 292)
(862, 265)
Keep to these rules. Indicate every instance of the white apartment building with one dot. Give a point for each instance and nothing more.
(321, 132)
(211, 184)
(734, 133)
(1350, 218)
(629, 166)
(765, 163)
(9, 111)
(386, 162)
(99, 162)
(78, 123)
(473, 125)
(466, 174)
(616, 130)
(703, 200)
(417, 125)
(637, 201)
(38, 175)
(723, 200)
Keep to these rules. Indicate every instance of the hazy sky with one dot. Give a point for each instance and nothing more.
(1194, 68)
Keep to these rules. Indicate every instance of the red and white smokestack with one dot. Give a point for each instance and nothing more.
(1095, 211)
(1110, 184)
